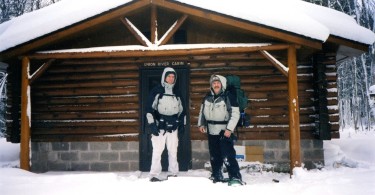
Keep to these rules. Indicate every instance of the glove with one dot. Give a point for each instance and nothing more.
(230, 139)
(154, 129)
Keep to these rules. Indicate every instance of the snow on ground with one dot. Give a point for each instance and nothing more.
(350, 169)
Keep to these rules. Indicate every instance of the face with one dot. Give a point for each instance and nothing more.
(170, 79)
(216, 86)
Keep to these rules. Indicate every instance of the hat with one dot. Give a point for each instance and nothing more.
(215, 78)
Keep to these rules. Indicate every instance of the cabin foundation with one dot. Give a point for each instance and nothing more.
(124, 156)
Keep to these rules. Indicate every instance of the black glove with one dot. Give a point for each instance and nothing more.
(232, 138)
(154, 129)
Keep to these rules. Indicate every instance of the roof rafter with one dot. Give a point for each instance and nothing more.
(280, 66)
(167, 36)
(137, 33)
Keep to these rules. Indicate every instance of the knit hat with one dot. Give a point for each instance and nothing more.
(215, 78)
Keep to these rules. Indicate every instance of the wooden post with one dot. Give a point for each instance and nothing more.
(294, 128)
(25, 114)
(154, 24)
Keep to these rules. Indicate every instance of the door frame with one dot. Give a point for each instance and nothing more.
(155, 69)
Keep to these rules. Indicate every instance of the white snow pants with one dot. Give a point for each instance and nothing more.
(158, 144)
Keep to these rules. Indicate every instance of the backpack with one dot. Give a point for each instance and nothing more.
(234, 87)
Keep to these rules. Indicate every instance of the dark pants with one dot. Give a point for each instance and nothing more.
(222, 151)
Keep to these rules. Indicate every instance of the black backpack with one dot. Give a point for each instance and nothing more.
(234, 87)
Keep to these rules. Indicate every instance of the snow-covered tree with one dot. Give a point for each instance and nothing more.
(355, 75)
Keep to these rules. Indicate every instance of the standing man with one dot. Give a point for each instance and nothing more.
(218, 118)
(165, 115)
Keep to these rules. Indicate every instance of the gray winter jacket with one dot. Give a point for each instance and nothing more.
(221, 113)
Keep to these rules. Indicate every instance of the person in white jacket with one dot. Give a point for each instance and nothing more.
(165, 115)
(218, 117)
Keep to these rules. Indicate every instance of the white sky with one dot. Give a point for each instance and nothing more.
(355, 174)
(290, 15)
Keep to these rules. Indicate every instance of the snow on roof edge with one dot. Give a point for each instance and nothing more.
(154, 47)
(31, 26)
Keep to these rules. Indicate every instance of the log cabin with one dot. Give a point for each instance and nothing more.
(80, 73)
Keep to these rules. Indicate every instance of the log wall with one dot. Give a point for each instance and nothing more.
(98, 100)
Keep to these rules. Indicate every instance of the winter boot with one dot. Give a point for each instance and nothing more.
(218, 177)
(236, 182)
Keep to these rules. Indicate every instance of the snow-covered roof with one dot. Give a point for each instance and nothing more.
(296, 16)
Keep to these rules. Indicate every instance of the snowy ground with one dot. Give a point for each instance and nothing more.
(350, 169)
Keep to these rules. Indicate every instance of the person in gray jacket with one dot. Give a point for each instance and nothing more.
(165, 114)
(218, 118)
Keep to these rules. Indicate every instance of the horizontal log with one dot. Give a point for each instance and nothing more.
(271, 120)
(83, 123)
(86, 91)
(334, 118)
(131, 62)
(85, 107)
(253, 72)
(86, 83)
(87, 100)
(85, 115)
(90, 76)
(283, 135)
(84, 138)
(92, 68)
(103, 130)
(274, 111)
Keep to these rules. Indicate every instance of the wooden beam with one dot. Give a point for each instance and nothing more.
(167, 36)
(154, 53)
(40, 71)
(75, 28)
(137, 33)
(238, 23)
(25, 118)
(281, 67)
(349, 43)
(294, 121)
(154, 24)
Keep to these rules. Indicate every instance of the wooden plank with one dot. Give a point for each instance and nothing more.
(25, 118)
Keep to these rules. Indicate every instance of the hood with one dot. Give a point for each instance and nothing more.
(168, 69)
(222, 79)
